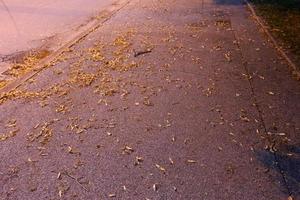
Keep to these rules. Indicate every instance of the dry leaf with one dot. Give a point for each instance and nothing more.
(127, 149)
(228, 56)
(160, 168)
(70, 150)
(112, 195)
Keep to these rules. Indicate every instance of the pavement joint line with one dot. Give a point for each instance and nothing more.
(279, 49)
(257, 106)
(87, 29)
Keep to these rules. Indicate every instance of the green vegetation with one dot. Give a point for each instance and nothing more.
(283, 17)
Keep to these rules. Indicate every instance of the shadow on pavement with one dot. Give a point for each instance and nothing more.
(283, 5)
(288, 163)
(229, 2)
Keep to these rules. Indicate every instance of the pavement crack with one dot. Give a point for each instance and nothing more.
(260, 113)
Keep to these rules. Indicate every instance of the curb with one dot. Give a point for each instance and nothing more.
(105, 15)
(281, 52)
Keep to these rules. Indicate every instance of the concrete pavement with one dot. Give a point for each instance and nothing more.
(36, 29)
(26, 25)
(167, 100)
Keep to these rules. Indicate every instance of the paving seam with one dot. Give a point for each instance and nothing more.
(256, 103)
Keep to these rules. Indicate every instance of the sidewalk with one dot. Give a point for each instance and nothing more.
(167, 100)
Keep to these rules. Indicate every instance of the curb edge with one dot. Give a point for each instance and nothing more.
(46, 62)
(291, 64)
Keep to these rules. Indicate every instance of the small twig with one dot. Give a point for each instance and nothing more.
(76, 179)
(136, 54)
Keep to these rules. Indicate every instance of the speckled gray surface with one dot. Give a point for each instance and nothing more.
(210, 113)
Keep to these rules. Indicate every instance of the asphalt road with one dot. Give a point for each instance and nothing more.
(26, 23)
(209, 112)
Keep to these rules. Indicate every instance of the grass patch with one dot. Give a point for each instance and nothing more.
(283, 18)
